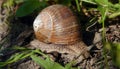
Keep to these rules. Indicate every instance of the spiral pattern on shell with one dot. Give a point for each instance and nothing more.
(58, 25)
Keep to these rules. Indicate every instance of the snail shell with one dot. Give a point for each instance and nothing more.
(58, 25)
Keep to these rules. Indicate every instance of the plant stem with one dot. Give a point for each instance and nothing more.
(104, 50)
(78, 7)
(103, 37)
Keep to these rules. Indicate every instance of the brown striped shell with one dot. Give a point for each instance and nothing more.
(58, 25)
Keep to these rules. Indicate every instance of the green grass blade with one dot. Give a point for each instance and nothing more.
(78, 6)
(47, 63)
(16, 57)
(89, 1)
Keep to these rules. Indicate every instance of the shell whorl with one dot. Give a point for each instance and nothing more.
(57, 24)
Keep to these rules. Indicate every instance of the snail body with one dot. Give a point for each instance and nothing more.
(57, 24)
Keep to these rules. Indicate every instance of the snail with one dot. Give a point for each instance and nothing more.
(57, 29)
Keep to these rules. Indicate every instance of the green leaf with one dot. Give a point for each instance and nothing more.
(9, 3)
(19, 48)
(10, 60)
(69, 65)
(19, 1)
(16, 57)
(47, 63)
(115, 51)
(115, 14)
(64, 2)
(40, 61)
(78, 6)
(90, 1)
(103, 11)
(27, 8)
(116, 5)
(41, 53)
(102, 2)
